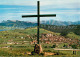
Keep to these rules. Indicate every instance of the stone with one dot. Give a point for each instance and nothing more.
(48, 53)
(38, 48)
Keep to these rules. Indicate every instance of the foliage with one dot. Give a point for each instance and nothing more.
(64, 33)
(53, 46)
(65, 46)
(41, 53)
(77, 30)
(74, 46)
(33, 53)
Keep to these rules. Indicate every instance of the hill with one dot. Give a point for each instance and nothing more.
(30, 34)
(16, 35)
(20, 42)
(16, 23)
(62, 29)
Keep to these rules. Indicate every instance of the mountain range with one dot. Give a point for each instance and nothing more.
(16, 23)
(25, 24)
(59, 23)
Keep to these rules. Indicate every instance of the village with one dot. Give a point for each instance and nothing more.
(45, 38)
(48, 38)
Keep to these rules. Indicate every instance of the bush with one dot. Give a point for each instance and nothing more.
(53, 46)
(41, 53)
(65, 46)
(64, 33)
(74, 46)
(33, 53)
(45, 47)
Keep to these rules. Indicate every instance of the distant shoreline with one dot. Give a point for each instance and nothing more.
(2, 30)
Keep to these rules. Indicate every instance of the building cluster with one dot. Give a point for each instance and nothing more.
(50, 38)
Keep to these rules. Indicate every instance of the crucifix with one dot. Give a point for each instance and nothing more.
(38, 18)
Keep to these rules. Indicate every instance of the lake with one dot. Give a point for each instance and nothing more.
(2, 30)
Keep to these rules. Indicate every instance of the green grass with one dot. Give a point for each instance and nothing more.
(73, 35)
(21, 49)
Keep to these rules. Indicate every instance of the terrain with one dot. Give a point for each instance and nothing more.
(18, 38)
(21, 42)
(59, 23)
(16, 24)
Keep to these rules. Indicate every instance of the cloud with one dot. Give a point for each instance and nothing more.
(45, 5)
(63, 9)
(17, 2)
(67, 12)
(8, 8)
(56, 3)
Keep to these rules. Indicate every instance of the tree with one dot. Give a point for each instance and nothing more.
(77, 30)
(64, 33)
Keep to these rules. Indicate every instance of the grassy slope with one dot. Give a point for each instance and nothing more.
(19, 33)
(73, 36)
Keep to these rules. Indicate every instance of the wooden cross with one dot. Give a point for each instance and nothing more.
(38, 20)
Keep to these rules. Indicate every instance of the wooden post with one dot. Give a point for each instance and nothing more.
(38, 20)
(74, 52)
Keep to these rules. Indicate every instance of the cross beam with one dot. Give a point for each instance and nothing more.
(38, 20)
(45, 15)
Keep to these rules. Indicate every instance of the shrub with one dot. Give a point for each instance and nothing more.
(53, 46)
(41, 53)
(64, 33)
(65, 46)
(33, 53)
(74, 46)
(45, 47)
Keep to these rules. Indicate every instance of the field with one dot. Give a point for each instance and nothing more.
(17, 43)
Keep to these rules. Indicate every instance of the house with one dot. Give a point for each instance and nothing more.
(33, 42)
(47, 42)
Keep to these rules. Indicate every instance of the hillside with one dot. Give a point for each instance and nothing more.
(18, 33)
(20, 42)
(62, 29)
(30, 34)
(18, 24)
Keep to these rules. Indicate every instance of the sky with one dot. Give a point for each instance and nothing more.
(65, 10)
